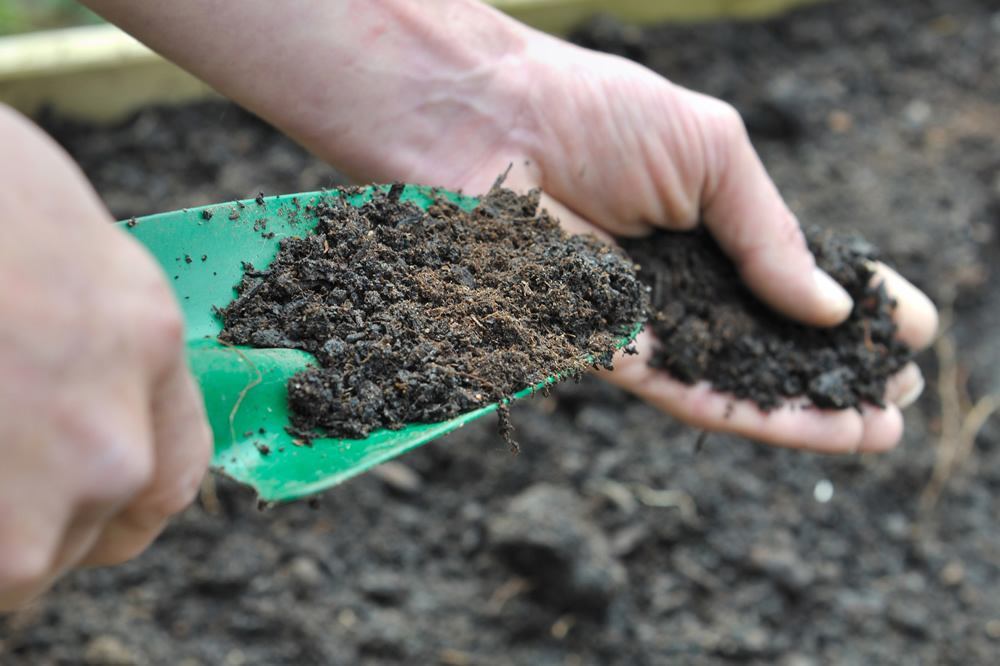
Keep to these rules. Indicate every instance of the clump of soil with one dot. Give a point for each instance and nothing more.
(417, 316)
(712, 328)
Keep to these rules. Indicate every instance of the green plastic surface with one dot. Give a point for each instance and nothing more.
(203, 250)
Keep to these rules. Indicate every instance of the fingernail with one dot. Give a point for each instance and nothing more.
(834, 297)
(915, 381)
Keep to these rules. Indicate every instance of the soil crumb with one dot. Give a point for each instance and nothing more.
(712, 328)
(416, 316)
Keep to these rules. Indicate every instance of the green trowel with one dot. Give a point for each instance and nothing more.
(203, 251)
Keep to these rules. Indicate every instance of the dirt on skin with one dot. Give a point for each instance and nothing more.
(711, 327)
(417, 316)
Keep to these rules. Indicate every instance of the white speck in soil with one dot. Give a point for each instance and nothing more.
(823, 492)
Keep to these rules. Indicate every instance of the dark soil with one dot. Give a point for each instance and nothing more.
(711, 327)
(609, 540)
(416, 317)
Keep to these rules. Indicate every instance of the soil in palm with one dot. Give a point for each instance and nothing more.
(711, 327)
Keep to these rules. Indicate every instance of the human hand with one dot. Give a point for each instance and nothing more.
(451, 92)
(102, 430)
(619, 150)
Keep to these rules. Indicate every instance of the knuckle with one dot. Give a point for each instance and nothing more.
(166, 322)
(122, 471)
(724, 141)
(161, 334)
(788, 232)
(113, 462)
(171, 329)
(783, 241)
(155, 314)
(133, 469)
(726, 120)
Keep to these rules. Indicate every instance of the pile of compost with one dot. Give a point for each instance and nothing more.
(417, 316)
(711, 327)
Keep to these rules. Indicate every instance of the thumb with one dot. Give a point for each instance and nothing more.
(750, 221)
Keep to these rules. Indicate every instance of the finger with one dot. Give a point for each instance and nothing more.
(183, 447)
(915, 314)
(570, 221)
(109, 462)
(29, 542)
(81, 535)
(794, 425)
(112, 479)
(905, 386)
(747, 216)
(883, 428)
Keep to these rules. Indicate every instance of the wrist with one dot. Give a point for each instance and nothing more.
(377, 87)
(454, 73)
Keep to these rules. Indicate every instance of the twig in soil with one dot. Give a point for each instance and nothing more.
(209, 497)
(696, 573)
(250, 292)
(246, 389)
(700, 442)
(618, 494)
(451, 657)
(974, 421)
(498, 183)
(561, 627)
(512, 588)
(960, 423)
(396, 191)
(668, 499)
(951, 414)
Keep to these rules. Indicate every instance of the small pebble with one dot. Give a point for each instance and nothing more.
(783, 565)
(823, 492)
(399, 477)
(306, 571)
(917, 113)
(796, 659)
(383, 587)
(235, 658)
(839, 122)
(910, 616)
(106, 650)
(953, 573)
(993, 629)
(347, 618)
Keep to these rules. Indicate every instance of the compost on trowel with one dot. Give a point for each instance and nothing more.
(416, 316)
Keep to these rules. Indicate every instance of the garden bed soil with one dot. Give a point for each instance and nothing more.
(418, 316)
(610, 540)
